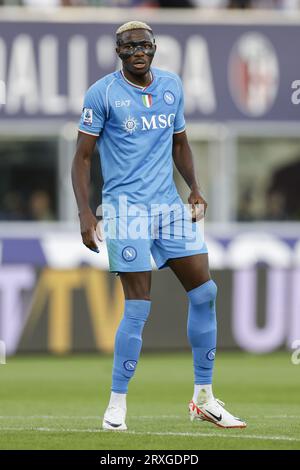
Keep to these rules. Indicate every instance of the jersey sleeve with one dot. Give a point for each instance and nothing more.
(93, 114)
(179, 122)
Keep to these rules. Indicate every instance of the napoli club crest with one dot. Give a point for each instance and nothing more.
(169, 98)
(211, 354)
(129, 253)
(130, 365)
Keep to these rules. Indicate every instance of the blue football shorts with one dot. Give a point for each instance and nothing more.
(132, 240)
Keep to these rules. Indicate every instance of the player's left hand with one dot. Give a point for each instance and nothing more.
(198, 203)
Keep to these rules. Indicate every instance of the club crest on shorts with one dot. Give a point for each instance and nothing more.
(130, 365)
(129, 253)
(211, 354)
(169, 98)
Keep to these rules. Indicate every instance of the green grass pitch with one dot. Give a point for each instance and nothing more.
(58, 402)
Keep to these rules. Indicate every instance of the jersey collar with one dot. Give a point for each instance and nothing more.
(138, 86)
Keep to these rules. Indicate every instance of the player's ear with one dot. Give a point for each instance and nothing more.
(154, 45)
(118, 46)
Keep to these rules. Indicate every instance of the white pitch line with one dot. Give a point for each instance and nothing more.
(49, 417)
(150, 433)
(97, 417)
(88, 417)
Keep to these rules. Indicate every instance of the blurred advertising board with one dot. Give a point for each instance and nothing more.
(56, 296)
(231, 70)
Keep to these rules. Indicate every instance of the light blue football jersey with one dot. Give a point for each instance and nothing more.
(135, 126)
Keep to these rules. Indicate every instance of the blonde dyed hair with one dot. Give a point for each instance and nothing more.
(131, 25)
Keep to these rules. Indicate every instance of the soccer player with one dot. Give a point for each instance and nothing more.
(136, 117)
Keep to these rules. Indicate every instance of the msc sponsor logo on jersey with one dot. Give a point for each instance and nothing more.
(87, 116)
(160, 121)
(130, 124)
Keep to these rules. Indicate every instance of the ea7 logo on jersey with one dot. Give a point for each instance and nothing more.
(121, 103)
(87, 116)
(158, 122)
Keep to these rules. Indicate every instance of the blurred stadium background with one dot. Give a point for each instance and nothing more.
(239, 62)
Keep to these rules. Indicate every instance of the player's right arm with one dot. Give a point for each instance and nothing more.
(81, 169)
(90, 126)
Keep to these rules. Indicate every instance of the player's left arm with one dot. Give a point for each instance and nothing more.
(183, 159)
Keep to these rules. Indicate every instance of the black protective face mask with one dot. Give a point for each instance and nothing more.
(136, 46)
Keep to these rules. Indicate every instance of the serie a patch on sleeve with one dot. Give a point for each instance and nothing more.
(87, 116)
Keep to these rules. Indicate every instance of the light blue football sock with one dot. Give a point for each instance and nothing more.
(202, 330)
(128, 343)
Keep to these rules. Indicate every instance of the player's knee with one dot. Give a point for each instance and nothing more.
(136, 287)
(206, 292)
(136, 313)
(137, 291)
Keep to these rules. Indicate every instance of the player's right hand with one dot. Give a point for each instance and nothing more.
(88, 229)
